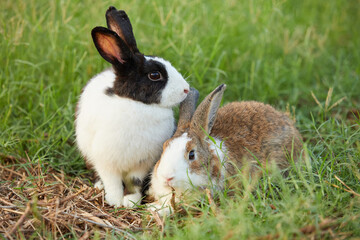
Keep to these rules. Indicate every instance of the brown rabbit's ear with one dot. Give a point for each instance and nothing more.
(205, 115)
(187, 108)
(110, 46)
(119, 22)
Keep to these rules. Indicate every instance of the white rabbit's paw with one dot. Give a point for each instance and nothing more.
(114, 199)
(131, 200)
(162, 210)
(99, 185)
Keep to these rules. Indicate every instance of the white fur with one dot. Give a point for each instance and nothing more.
(173, 164)
(220, 150)
(174, 91)
(121, 137)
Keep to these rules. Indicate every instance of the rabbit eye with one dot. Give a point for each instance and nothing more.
(192, 155)
(155, 76)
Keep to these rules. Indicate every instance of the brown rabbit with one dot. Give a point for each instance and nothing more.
(248, 132)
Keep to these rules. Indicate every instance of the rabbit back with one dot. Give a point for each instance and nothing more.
(251, 129)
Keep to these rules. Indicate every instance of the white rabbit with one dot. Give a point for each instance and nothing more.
(124, 114)
(248, 133)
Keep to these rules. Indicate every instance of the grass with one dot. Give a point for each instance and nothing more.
(286, 53)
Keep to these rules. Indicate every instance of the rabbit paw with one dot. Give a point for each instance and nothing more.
(114, 199)
(99, 184)
(162, 210)
(131, 200)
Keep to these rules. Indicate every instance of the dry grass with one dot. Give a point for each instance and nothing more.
(37, 204)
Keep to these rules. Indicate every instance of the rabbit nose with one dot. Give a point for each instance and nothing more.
(169, 179)
(169, 182)
(186, 91)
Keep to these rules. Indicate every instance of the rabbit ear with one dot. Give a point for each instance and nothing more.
(187, 108)
(119, 22)
(110, 46)
(205, 115)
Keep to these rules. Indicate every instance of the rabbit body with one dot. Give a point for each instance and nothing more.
(251, 129)
(119, 136)
(242, 133)
(120, 128)
(124, 114)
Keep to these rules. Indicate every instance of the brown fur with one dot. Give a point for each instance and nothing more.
(195, 166)
(253, 133)
(254, 129)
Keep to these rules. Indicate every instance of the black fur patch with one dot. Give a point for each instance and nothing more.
(119, 22)
(137, 181)
(109, 92)
(132, 79)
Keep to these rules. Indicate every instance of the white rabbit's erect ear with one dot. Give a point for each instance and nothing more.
(187, 108)
(110, 45)
(119, 22)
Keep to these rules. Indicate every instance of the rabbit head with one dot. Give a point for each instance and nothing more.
(147, 79)
(190, 157)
